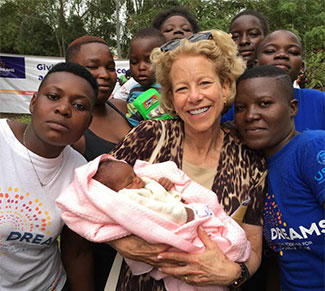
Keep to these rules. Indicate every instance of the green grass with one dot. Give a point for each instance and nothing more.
(25, 118)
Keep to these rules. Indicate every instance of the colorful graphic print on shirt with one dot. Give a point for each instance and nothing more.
(282, 237)
(22, 220)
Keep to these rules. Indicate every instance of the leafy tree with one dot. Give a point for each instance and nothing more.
(24, 30)
(139, 14)
(9, 25)
(46, 27)
(306, 19)
(99, 18)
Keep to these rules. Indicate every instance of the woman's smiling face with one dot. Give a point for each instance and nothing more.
(198, 95)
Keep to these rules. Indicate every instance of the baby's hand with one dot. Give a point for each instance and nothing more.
(190, 214)
(166, 183)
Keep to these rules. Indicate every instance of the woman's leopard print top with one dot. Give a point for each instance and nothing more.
(241, 172)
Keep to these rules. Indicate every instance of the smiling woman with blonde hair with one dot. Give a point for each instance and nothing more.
(227, 64)
(198, 78)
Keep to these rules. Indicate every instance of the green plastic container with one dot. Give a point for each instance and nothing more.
(148, 104)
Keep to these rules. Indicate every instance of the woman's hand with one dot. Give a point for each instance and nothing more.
(135, 248)
(211, 267)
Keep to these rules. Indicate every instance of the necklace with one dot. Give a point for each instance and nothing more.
(33, 166)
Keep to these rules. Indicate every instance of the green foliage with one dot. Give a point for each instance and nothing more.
(24, 118)
(76, 28)
(315, 69)
(99, 18)
(140, 16)
(46, 27)
(315, 38)
(9, 27)
(31, 38)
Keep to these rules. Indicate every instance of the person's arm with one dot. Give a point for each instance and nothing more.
(123, 92)
(254, 234)
(212, 267)
(135, 248)
(120, 104)
(77, 260)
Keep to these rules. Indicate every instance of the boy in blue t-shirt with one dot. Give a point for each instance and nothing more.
(283, 49)
(143, 42)
(294, 224)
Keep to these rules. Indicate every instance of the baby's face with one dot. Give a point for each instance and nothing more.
(126, 178)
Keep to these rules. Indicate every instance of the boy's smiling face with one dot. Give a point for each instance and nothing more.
(140, 64)
(264, 114)
(281, 49)
(61, 112)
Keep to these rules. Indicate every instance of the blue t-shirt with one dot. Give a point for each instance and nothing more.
(133, 115)
(294, 224)
(311, 110)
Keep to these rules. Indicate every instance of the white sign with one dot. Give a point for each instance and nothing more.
(20, 77)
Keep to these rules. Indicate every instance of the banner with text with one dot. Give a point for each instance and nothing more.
(20, 77)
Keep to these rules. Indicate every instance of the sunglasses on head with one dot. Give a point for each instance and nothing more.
(193, 38)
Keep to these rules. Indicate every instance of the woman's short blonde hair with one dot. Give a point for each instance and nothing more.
(222, 51)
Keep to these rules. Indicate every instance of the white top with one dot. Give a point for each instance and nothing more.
(296, 85)
(30, 221)
(123, 92)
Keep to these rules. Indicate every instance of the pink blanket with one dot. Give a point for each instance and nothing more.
(99, 214)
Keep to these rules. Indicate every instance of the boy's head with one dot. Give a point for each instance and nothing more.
(264, 108)
(175, 23)
(143, 42)
(248, 28)
(281, 48)
(94, 54)
(62, 112)
(118, 175)
(75, 46)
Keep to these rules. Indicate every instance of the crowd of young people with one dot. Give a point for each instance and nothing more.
(195, 74)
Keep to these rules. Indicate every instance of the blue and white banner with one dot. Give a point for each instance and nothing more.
(20, 77)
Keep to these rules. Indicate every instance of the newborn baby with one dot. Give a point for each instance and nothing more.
(157, 196)
(109, 199)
